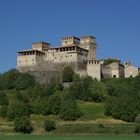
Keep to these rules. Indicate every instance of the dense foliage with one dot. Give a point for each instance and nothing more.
(49, 125)
(69, 110)
(109, 61)
(67, 74)
(21, 96)
(137, 124)
(23, 125)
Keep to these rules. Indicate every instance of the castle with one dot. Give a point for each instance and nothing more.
(80, 53)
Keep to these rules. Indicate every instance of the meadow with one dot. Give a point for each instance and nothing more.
(72, 137)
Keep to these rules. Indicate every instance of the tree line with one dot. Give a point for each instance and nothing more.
(120, 96)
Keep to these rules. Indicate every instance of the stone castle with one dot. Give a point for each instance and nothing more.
(46, 62)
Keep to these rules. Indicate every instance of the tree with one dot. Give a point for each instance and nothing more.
(25, 81)
(81, 89)
(18, 109)
(3, 111)
(67, 75)
(3, 99)
(69, 110)
(137, 124)
(109, 61)
(49, 125)
(7, 80)
(125, 108)
(54, 104)
(98, 91)
(23, 125)
(136, 85)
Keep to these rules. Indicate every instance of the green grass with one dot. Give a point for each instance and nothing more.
(72, 137)
(92, 111)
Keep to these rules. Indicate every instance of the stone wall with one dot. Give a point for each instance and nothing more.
(131, 71)
(94, 69)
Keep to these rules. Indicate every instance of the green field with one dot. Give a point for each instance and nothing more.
(31, 137)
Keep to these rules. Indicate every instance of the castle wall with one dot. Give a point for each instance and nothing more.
(106, 72)
(26, 60)
(114, 69)
(94, 69)
(131, 71)
(29, 60)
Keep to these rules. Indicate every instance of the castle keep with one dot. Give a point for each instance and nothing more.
(80, 53)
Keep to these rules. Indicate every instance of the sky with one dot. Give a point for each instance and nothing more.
(114, 23)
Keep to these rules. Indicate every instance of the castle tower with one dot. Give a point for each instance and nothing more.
(41, 46)
(94, 69)
(89, 43)
(70, 41)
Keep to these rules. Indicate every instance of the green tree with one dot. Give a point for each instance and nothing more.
(18, 109)
(25, 81)
(125, 108)
(109, 61)
(23, 125)
(7, 80)
(98, 91)
(54, 104)
(70, 110)
(137, 124)
(49, 125)
(3, 111)
(136, 85)
(67, 75)
(3, 99)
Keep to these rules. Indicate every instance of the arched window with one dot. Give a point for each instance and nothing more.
(114, 76)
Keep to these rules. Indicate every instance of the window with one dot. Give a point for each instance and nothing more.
(114, 76)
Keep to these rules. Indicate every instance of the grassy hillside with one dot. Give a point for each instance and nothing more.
(92, 111)
(92, 122)
(27, 137)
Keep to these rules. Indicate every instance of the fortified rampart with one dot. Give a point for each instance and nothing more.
(46, 62)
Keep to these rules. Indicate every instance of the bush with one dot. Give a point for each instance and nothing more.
(125, 108)
(98, 91)
(67, 75)
(3, 99)
(49, 125)
(23, 125)
(54, 104)
(7, 80)
(24, 81)
(18, 109)
(137, 124)
(3, 111)
(69, 110)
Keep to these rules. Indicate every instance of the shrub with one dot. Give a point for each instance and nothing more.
(69, 110)
(17, 110)
(7, 80)
(24, 81)
(137, 124)
(54, 103)
(23, 125)
(3, 99)
(3, 111)
(125, 108)
(67, 75)
(49, 125)
(98, 91)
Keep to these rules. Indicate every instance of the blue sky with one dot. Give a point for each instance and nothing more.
(114, 23)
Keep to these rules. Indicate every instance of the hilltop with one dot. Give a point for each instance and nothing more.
(70, 104)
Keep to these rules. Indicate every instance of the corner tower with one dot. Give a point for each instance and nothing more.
(89, 43)
(70, 40)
